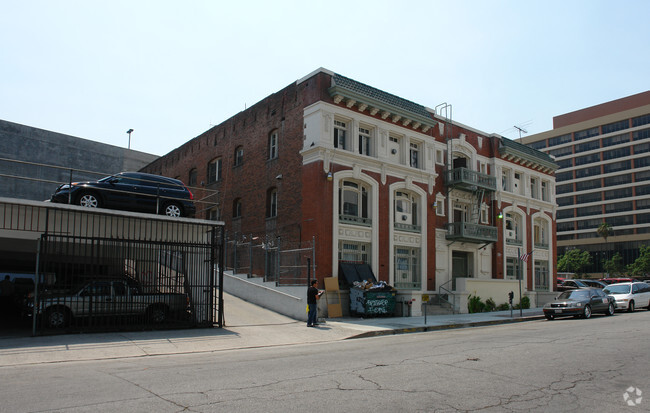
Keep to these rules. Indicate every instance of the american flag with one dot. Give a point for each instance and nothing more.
(524, 257)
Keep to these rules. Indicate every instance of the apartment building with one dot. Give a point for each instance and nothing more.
(603, 153)
(399, 190)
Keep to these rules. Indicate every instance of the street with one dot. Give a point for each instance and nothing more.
(561, 365)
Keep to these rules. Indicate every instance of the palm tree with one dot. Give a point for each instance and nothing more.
(605, 230)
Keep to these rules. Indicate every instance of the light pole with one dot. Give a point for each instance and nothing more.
(129, 132)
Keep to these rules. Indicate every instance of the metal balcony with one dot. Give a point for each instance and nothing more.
(473, 233)
(469, 180)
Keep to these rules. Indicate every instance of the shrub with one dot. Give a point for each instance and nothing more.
(490, 305)
(503, 307)
(525, 303)
(474, 304)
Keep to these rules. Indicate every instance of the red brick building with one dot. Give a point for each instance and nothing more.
(428, 205)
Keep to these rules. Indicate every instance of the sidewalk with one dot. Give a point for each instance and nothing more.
(247, 326)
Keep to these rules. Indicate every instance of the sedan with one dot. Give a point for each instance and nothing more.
(630, 296)
(580, 302)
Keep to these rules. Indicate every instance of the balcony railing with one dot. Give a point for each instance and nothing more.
(467, 179)
(408, 227)
(475, 233)
(352, 219)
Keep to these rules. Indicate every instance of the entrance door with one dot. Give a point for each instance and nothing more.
(459, 266)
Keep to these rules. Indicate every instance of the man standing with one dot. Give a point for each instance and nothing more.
(313, 295)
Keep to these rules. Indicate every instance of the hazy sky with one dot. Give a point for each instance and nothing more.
(172, 69)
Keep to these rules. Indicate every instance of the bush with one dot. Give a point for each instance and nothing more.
(490, 305)
(503, 307)
(474, 304)
(525, 303)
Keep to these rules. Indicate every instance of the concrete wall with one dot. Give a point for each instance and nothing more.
(28, 144)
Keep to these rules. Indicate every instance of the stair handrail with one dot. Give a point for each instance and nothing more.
(450, 294)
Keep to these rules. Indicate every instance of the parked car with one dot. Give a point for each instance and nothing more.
(131, 191)
(630, 295)
(581, 302)
(616, 280)
(109, 298)
(594, 283)
(571, 285)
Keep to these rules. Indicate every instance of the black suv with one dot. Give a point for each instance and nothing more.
(132, 191)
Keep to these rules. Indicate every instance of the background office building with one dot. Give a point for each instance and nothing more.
(603, 153)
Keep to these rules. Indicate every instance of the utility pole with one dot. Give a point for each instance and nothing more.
(129, 132)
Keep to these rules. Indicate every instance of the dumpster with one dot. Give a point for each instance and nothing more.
(372, 303)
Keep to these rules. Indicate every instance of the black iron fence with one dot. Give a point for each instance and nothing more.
(285, 264)
(100, 270)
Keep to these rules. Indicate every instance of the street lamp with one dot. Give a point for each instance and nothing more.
(129, 132)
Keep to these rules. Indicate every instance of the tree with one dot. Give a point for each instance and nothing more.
(574, 260)
(640, 266)
(614, 265)
(605, 230)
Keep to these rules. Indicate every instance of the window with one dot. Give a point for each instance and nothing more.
(585, 172)
(616, 153)
(406, 212)
(584, 134)
(563, 176)
(618, 180)
(513, 228)
(356, 252)
(581, 160)
(641, 134)
(511, 268)
(505, 180)
(643, 204)
(559, 140)
(589, 224)
(563, 189)
(588, 198)
(415, 155)
(542, 278)
(566, 226)
(192, 179)
(239, 155)
(534, 190)
(588, 211)
(440, 205)
(587, 146)
(517, 184)
(616, 166)
(273, 145)
(365, 142)
(618, 193)
(214, 214)
(618, 207)
(565, 213)
(214, 171)
(616, 126)
(236, 208)
(567, 150)
(272, 203)
(354, 203)
(540, 233)
(642, 176)
(565, 163)
(615, 140)
(538, 145)
(564, 201)
(340, 131)
(586, 185)
(641, 120)
(642, 148)
(545, 191)
(407, 268)
(640, 162)
(394, 145)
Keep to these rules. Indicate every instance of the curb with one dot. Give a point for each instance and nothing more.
(424, 329)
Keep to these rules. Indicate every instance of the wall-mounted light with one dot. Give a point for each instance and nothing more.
(435, 204)
(500, 216)
(329, 176)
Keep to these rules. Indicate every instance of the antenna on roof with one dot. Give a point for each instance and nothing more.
(520, 129)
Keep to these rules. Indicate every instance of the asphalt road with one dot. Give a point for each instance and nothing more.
(555, 366)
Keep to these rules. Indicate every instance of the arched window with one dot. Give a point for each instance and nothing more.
(192, 178)
(236, 208)
(272, 203)
(239, 155)
(273, 144)
(354, 202)
(514, 227)
(540, 233)
(406, 211)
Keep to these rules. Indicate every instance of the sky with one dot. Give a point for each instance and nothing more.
(170, 70)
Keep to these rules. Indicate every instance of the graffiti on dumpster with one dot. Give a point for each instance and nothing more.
(377, 306)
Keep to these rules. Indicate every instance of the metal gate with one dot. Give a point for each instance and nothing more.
(100, 270)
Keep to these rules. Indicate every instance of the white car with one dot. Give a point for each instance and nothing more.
(630, 295)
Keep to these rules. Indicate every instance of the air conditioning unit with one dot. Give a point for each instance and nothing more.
(405, 217)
